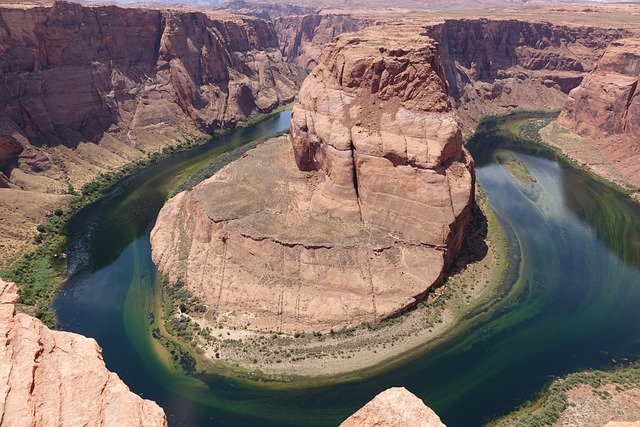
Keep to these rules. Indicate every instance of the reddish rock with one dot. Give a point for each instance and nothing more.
(607, 102)
(394, 407)
(52, 378)
(375, 118)
(303, 37)
(365, 224)
(85, 90)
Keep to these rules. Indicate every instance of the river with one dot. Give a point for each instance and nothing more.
(576, 247)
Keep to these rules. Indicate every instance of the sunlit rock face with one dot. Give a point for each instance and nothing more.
(351, 219)
(54, 378)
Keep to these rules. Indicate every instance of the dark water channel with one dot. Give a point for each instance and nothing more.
(575, 276)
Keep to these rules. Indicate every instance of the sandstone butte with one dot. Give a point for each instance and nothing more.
(54, 378)
(87, 89)
(353, 219)
(605, 111)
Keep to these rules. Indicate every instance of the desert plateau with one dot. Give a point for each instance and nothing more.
(287, 213)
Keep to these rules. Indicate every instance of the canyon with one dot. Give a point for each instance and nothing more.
(85, 90)
(342, 238)
(50, 378)
(603, 114)
(325, 229)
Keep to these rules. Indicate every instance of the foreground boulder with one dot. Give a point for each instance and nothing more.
(352, 220)
(394, 407)
(53, 378)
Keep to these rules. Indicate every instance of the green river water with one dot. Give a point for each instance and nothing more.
(573, 305)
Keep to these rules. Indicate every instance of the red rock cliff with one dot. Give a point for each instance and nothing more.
(57, 378)
(375, 118)
(86, 89)
(606, 102)
(353, 220)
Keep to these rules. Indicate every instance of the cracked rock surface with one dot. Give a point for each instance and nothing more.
(54, 378)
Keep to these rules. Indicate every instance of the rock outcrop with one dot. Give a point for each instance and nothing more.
(365, 224)
(607, 101)
(394, 407)
(604, 112)
(52, 378)
(87, 89)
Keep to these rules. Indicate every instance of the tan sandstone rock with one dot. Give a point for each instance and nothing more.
(375, 119)
(394, 407)
(361, 229)
(53, 378)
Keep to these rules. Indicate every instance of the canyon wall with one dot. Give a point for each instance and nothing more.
(302, 38)
(604, 114)
(52, 378)
(84, 90)
(493, 66)
(607, 101)
(351, 221)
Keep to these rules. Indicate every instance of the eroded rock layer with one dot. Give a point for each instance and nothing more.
(351, 221)
(375, 119)
(496, 65)
(52, 378)
(87, 89)
(605, 112)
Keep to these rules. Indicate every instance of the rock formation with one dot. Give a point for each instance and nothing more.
(52, 378)
(496, 65)
(362, 227)
(394, 407)
(86, 89)
(605, 112)
(607, 102)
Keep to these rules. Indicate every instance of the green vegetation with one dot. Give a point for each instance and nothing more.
(548, 409)
(40, 272)
(516, 167)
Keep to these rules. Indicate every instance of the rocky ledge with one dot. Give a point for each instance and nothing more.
(365, 224)
(57, 378)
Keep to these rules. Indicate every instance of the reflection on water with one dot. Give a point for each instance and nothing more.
(576, 291)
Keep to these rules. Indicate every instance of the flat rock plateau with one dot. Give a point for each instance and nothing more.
(53, 378)
(362, 227)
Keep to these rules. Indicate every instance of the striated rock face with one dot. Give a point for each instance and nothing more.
(604, 112)
(496, 64)
(352, 220)
(394, 407)
(87, 89)
(51, 378)
(375, 118)
(607, 102)
(302, 38)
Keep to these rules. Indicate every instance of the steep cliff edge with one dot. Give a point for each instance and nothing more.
(52, 378)
(604, 113)
(366, 223)
(85, 90)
